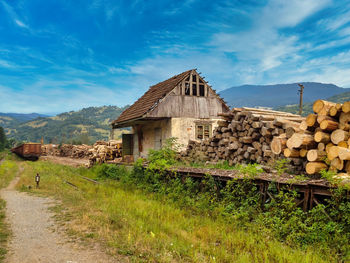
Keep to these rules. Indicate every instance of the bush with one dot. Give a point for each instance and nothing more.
(110, 171)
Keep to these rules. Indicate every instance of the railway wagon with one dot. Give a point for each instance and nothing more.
(30, 151)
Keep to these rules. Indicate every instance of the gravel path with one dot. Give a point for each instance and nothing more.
(33, 236)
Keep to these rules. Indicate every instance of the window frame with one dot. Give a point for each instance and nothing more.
(201, 128)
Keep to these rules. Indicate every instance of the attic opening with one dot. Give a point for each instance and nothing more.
(201, 91)
(193, 85)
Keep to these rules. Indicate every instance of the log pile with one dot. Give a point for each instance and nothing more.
(323, 139)
(66, 150)
(245, 135)
(102, 152)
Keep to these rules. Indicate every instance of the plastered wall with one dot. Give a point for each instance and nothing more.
(181, 128)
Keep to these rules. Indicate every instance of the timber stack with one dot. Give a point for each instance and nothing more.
(66, 150)
(100, 152)
(103, 151)
(245, 135)
(323, 140)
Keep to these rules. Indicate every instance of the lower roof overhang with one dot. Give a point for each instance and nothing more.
(136, 121)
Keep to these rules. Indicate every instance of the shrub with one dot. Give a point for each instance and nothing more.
(110, 171)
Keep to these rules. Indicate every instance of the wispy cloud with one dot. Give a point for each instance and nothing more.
(108, 52)
(339, 21)
(13, 15)
(6, 64)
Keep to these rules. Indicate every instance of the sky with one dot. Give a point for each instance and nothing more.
(57, 56)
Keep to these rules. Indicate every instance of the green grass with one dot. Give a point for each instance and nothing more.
(147, 227)
(8, 169)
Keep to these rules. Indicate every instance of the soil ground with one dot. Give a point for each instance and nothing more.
(66, 161)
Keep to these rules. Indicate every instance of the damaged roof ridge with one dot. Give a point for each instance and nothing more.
(137, 109)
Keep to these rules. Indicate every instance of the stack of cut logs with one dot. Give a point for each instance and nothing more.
(102, 152)
(66, 150)
(323, 139)
(244, 136)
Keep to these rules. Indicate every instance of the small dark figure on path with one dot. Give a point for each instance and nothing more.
(37, 180)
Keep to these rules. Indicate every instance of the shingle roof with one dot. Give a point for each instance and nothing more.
(151, 97)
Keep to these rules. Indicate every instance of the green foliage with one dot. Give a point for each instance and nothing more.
(281, 166)
(7, 171)
(109, 171)
(4, 233)
(250, 170)
(165, 157)
(3, 139)
(328, 175)
(240, 200)
(328, 225)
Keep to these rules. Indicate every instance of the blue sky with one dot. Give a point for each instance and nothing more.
(58, 56)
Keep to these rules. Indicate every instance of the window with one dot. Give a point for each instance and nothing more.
(200, 132)
(203, 131)
(201, 91)
(194, 89)
(194, 78)
(187, 89)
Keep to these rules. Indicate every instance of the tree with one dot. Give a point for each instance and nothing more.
(3, 139)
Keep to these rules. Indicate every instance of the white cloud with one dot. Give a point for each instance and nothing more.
(339, 21)
(263, 44)
(6, 64)
(20, 23)
(13, 15)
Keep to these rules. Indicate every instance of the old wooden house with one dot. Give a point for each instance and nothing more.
(184, 107)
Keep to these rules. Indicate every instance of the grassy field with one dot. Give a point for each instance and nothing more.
(8, 170)
(147, 227)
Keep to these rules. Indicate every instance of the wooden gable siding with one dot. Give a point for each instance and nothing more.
(175, 105)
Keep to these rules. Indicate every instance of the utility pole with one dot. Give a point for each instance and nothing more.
(301, 91)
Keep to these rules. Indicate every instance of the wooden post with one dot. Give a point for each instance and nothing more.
(301, 91)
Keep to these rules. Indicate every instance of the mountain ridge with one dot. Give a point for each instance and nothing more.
(277, 94)
(23, 116)
(83, 126)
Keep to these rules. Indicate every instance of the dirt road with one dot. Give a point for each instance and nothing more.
(34, 233)
(66, 161)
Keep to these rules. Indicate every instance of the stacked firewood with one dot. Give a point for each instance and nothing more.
(244, 136)
(66, 150)
(323, 139)
(103, 151)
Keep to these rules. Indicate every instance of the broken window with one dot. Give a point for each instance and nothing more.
(201, 90)
(187, 89)
(194, 78)
(199, 132)
(194, 89)
(203, 131)
(206, 132)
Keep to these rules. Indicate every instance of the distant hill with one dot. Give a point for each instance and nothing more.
(10, 120)
(22, 117)
(307, 107)
(277, 95)
(86, 125)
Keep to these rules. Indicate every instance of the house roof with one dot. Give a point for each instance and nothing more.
(151, 97)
